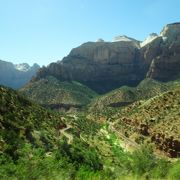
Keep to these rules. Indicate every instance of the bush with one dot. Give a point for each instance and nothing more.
(143, 161)
(161, 169)
(174, 171)
(80, 153)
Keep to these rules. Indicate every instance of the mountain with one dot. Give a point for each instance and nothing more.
(40, 144)
(155, 120)
(16, 75)
(104, 66)
(127, 95)
(162, 55)
(55, 94)
(101, 66)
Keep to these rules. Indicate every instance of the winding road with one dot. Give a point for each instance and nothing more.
(69, 136)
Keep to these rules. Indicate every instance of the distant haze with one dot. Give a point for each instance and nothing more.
(45, 31)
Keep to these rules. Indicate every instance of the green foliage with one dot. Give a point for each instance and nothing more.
(108, 103)
(85, 172)
(87, 126)
(143, 161)
(161, 169)
(50, 91)
(174, 171)
(22, 121)
(80, 153)
(31, 147)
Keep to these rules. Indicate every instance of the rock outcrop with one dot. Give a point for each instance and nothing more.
(104, 66)
(165, 64)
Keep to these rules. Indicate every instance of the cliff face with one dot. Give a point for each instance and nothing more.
(15, 76)
(165, 65)
(104, 66)
(100, 65)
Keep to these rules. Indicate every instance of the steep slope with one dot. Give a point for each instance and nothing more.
(22, 122)
(104, 66)
(59, 95)
(16, 75)
(156, 119)
(162, 55)
(126, 95)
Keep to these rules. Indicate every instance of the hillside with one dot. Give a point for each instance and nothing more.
(127, 95)
(55, 94)
(34, 142)
(39, 144)
(16, 75)
(154, 120)
(23, 122)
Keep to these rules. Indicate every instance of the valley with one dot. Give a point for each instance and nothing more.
(108, 110)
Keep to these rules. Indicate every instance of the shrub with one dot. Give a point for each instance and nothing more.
(174, 171)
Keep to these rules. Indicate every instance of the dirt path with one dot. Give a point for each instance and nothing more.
(69, 136)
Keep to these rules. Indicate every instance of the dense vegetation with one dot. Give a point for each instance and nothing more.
(23, 122)
(36, 143)
(127, 95)
(54, 93)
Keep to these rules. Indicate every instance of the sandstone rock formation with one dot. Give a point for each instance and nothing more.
(165, 64)
(104, 66)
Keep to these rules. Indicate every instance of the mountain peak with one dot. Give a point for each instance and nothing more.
(16, 75)
(171, 30)
(100, 40)
(122, 38)
(149, 39)
(22, 67)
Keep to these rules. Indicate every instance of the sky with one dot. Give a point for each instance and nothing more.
(44, 31)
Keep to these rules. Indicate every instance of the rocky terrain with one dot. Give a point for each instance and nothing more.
(156, 118)
(16, 75)
(104, 66)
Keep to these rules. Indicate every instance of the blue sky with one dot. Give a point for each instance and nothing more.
(45, 31)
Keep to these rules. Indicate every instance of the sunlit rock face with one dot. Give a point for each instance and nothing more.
(166, 64)
(104, 66)
(149, 39)
(171, 31)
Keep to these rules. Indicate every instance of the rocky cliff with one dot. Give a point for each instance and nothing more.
(100, 65)
(104, 66)
(16, 75)
(164, 54)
